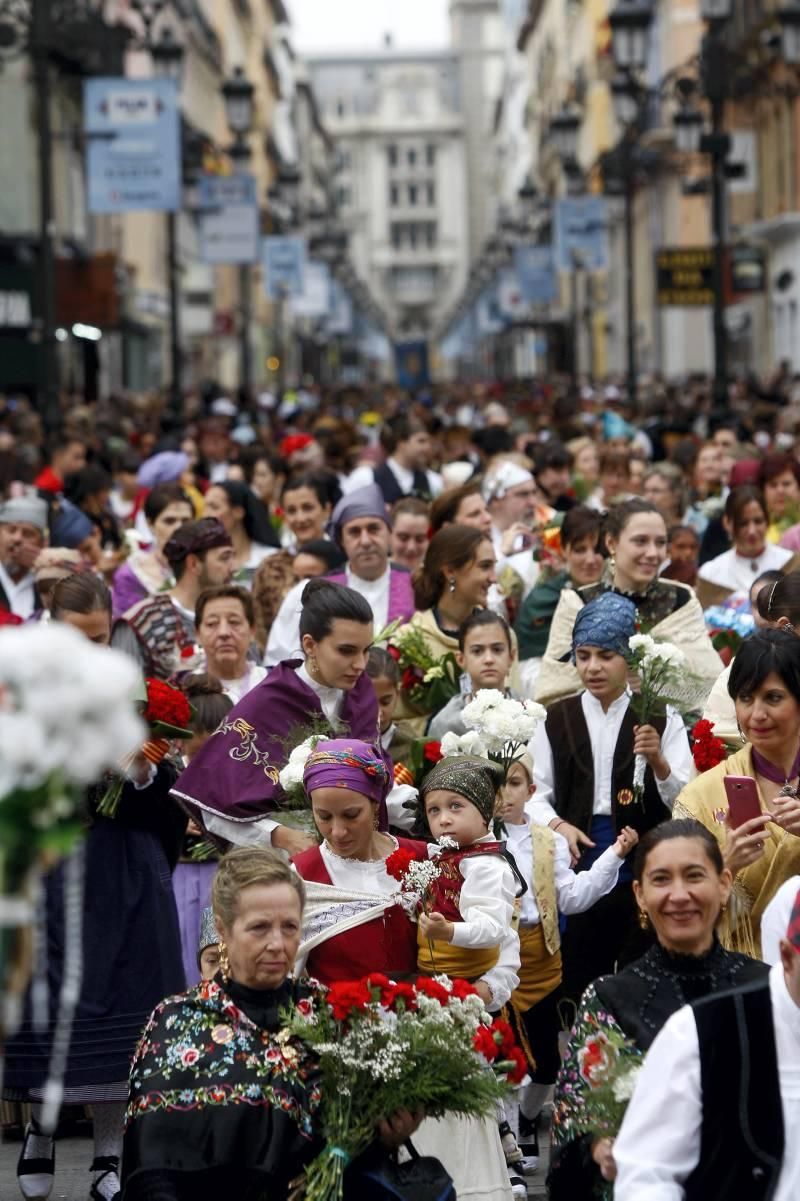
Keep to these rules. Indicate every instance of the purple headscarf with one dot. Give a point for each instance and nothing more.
(347, 763)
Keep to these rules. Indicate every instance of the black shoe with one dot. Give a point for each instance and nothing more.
(106, 1165)
(529, 1138)
(42, 1166)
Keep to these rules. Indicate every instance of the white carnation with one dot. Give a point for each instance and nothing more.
(641, 642)
(463, 744)
(624, 1085)
(291, 775)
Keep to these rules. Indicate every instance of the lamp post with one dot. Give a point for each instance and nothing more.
(167, 55)
(564, 131)
(630, 25)
(238, 95)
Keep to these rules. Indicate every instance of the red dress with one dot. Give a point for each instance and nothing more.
(386, 944)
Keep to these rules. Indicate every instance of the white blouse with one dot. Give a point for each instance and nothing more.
(737, 572)
(575, 891)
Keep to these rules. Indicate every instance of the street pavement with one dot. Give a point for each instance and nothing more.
(73, 1156)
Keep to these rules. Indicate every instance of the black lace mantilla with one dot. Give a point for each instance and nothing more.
(658, 601)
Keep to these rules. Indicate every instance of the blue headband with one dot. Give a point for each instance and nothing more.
(608, 622)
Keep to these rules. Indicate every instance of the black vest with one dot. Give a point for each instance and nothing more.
(573, 771)
(386, 480)
(742, 1136)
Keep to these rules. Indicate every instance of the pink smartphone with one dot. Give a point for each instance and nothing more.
(743, 800)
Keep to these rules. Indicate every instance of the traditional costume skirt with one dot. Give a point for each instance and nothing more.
(533, 1008)
(435, 958)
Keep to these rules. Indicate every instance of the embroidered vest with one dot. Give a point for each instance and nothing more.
(742, 1133)
(544, 884)
(445, 891)
(573, 771)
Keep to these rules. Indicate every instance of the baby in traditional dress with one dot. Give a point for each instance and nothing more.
(543, 860)
(470, 905)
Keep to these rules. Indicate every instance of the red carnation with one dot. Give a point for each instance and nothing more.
(394, 652)
(398, 863)
(432, 752)
(462, 989)
(503, 1032)
(346, 995)
(410, 678)
(166, 705)
(484, 1043)
(432, 988)
(402, 993)
(520, 1069)
(377, 982)
(707, 749)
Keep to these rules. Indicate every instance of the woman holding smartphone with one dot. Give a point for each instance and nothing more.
(763, 850)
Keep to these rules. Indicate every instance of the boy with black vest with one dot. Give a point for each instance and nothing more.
(584, 760)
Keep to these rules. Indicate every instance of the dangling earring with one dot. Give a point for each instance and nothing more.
(376, 825)
(644, 919)
(313, 667)
(224, 962)
(723, 910)
(742, 734)
(612, 563)
(452, 586)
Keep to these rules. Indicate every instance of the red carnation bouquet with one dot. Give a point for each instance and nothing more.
(707, 749)
(168, 714)
(385, 1046)
(423, 754)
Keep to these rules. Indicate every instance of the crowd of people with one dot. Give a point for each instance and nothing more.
(363, 569)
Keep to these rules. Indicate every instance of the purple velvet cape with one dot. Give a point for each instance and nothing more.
(401, 595)
(235, 775)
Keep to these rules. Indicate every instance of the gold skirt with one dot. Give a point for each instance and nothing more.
(459, 963)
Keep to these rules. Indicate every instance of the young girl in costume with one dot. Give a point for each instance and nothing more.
(486, 655)
(543, 860)
(583, 757)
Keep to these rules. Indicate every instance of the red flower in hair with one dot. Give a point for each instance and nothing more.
(432, 752)
(484, 1043)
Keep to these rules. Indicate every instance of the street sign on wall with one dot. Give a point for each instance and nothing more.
(284, 261)
(536, 273)
(229, 219)
(581, 233)
(133, 145)
(685, 276)
(315, 299)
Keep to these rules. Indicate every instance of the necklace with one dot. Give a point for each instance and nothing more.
(766, 768)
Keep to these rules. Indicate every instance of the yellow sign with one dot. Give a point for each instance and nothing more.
(685, 277)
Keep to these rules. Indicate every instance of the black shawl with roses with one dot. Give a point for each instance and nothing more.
(223, 1103)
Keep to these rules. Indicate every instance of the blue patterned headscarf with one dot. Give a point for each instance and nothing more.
(608, 622)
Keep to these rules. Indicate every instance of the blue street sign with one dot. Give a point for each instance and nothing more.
(229, 219)
(284, 262)
(133, 138)
(536, 273)
(581, 233)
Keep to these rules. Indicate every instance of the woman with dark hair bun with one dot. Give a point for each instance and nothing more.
(682, 888)
(746, 521)
(635, 537)
(763, 852)
(231, 787)
(247, 521)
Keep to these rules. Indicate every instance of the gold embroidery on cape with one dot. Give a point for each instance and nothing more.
(247, 749)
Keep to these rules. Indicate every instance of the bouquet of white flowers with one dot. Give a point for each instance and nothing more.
(500, 726)
(67, 715)
(660, 667)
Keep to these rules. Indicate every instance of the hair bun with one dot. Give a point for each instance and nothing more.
(201, 684)
(316, 585)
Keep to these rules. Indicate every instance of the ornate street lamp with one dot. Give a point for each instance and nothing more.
(625, 99)
(789, 17)
(688, 124)
(630, 23)
(167, 55)
(238, 93)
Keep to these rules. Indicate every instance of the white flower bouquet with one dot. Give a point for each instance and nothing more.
(660, 668)
(500, 727)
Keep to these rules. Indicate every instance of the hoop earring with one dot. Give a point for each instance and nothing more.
(644, 919)
(452, 586)
(224, 962)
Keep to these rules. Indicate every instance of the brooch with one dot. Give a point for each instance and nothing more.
(625, 796)
(221, 1035)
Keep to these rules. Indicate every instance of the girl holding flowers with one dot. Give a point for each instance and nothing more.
(486, 655)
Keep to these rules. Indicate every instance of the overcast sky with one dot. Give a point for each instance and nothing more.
(322, 25)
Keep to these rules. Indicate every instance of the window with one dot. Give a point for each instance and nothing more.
(396, 235)
(340, 108)
(394, 195)
(430, 155)
(431, 193)
(431, 233)
(412, 157)
(392, 153)
(412, 236)
(412, 194)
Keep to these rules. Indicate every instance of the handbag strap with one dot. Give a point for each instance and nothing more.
(412, 1150)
